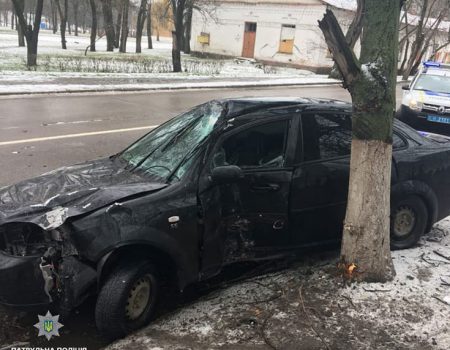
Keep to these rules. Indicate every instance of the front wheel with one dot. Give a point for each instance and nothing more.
(127, 300)
(409, 219)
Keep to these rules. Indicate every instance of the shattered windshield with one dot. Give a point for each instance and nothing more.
(435, 83)
(162, 151)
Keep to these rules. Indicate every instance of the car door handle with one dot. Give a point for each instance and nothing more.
(266, 187)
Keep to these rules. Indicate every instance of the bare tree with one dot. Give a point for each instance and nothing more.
(63, 20)
(371, 80)
(178, 7)
(353, 34)
(426, 29)
(20, 30)
(108, 23)
(188, 26)
(76, 6)
(124, 30)
(142, 15)
(119, 6)
(93, 24)
(149, 25)
(31, 31)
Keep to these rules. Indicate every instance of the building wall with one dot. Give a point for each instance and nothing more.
(226, 31)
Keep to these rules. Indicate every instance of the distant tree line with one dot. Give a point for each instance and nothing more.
(115, 19)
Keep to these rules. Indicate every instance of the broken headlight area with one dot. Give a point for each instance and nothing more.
(26, 239)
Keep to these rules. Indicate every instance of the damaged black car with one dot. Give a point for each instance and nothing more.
(229, 181)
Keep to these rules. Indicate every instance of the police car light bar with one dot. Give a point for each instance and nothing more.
(432, 64)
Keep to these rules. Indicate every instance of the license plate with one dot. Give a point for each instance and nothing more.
(438, 119)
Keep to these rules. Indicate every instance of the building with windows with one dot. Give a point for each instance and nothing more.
(280, 32)
(271, 31)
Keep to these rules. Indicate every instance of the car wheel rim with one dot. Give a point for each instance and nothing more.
(138, 298)
(404, 221)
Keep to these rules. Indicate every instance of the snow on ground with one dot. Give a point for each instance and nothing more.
(71, 71)
(308, 307)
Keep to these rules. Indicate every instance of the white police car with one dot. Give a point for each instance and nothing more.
(426, 101)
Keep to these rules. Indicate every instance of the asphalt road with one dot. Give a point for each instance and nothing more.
(41, 133)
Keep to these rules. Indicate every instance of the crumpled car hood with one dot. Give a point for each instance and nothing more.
(50, 199)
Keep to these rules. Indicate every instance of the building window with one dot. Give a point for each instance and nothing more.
(250, 27)
(287, 38)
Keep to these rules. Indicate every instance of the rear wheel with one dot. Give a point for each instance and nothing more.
(127, 300)
(409, 219)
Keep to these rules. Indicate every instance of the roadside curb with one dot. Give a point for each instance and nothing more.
(169, 87)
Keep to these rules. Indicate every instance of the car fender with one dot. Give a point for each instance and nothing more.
(159, 247)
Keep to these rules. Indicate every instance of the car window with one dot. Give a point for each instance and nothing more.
(326, 135)
(261, 146)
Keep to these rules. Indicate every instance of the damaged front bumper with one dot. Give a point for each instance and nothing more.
(21, 281)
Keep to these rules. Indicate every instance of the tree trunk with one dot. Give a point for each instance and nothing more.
(149, 26)
(20, 30)
(187, 30)
(13, 17)
(140, 24)
(118, 24)
(177, 35)
(371, 80)
(108, 23)
(76, 5)
(54, 16)
(93, 24)
(63, 20)
(31, 32)
(124, 32)
(353, 34)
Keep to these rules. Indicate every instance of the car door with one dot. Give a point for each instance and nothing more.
(320, 179)
(254, 210)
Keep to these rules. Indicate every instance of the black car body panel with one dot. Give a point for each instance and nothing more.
(65, 229)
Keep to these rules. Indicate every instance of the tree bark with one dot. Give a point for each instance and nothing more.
(93, 24)
(76, 5)
(31, 32)
(118, 24)
(124, 31)
(188, 29)
(20, 30)
(353, 34)
(178, 7)
(140, 24)
(63, 21)
(371, 81)
(109, 25)
(149, 25)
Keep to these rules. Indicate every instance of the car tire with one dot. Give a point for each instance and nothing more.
(127, 299)
(409, 218)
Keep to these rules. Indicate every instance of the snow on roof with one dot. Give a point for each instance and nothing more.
(342, 4)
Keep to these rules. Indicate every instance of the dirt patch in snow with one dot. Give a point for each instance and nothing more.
(307, 306)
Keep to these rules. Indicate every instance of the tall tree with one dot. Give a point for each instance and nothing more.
(108, 23)
(119, 5)
(188, 27)
(124, 31)
(63, 20)
(76, 6)
(178, 7)
(371, 81)
(149, 25)
(140, 24)
(93, 24)
(31, 31)
(20, 30)
(54, 16)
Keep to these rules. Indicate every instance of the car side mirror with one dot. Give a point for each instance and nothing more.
(226, 174)
(405, 87)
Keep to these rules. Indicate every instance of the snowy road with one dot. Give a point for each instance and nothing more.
(40, 133)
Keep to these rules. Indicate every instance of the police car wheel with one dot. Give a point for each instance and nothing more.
(127, 299)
